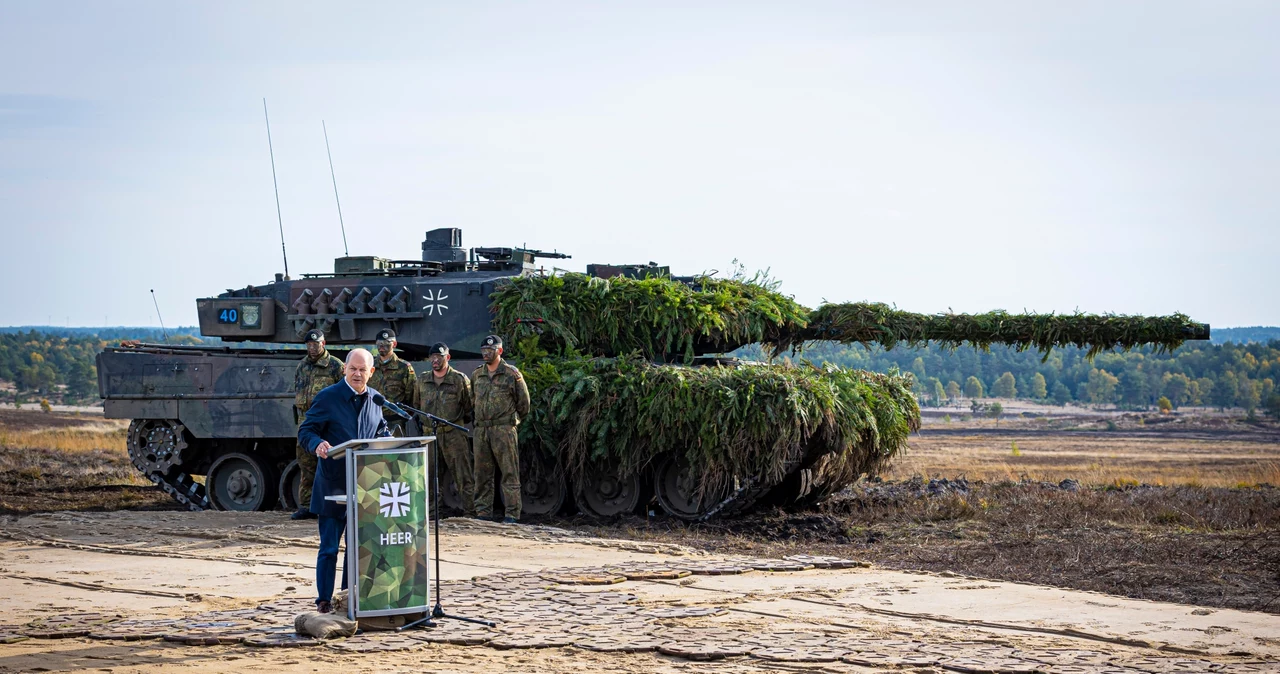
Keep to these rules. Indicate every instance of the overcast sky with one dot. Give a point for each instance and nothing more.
(1107, 156)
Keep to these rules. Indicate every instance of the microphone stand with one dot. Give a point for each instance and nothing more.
(438, 610)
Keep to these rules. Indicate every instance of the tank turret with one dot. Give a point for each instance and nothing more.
(444, 297)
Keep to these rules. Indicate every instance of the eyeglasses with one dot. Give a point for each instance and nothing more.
(437, 356)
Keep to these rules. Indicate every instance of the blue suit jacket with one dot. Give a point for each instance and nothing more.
(337, 415)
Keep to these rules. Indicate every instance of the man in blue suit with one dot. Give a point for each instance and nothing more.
(342, 412)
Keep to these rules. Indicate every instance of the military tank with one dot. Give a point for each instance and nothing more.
(634, 398)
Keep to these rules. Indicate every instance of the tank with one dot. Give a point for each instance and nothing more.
(635, 400)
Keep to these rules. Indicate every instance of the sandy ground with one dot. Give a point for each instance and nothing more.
(151, 565)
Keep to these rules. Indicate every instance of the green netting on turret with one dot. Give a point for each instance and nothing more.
(656, 317)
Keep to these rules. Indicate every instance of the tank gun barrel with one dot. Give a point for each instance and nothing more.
(876, 323)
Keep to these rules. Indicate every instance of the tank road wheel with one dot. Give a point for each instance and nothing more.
(603, 494)
(676, 487)
(241, 482)
(290, 483)
(542, 489)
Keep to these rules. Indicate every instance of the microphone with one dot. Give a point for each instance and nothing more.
(380, 400)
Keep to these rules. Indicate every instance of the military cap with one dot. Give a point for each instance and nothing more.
(491, 340)
(440, 348)
(315, 336)
(387, 334)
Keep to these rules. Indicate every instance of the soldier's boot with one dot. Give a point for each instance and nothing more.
(457, 456)
(306, 477)
(482, 473)
(507, 455)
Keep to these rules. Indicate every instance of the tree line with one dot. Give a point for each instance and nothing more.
(1198, 373)
(61, 366)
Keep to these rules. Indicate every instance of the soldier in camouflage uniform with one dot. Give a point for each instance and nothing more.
(394, 378)
(501, 398)
(446, 393)
(317, 371)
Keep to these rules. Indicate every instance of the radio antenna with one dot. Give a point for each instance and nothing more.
(276, 185)
(157, 305)
(335, 190)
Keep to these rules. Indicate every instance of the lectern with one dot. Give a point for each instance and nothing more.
(388, 535)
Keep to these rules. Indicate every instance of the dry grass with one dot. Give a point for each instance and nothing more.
(69, 463)
(98, 436)
(1091, 460)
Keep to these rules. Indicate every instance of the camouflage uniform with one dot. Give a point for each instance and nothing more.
(310, 379)
(501, 398)
(450, 400)
(395, 379)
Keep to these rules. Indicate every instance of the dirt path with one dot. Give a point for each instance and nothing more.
(170, 579)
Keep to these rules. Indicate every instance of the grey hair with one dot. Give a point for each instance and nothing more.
(352, 354)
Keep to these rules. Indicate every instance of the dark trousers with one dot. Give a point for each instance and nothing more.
(331, 531)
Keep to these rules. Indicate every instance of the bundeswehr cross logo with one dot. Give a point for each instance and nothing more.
(393, 499)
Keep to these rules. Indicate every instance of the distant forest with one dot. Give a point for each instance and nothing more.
(1198, 373)
(59, 364)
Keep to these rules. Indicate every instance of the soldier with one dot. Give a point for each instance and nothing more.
(394, 378)
(447, 394)
(501, 398)
(315, 372)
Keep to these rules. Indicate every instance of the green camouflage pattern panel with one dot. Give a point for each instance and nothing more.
(495, 446)
(391, 511)
(313, 377)
(501, 397)
(449, 399)
(394, 379)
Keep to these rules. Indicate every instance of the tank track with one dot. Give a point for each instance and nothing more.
(161, 462)
(741, 500)
(183, 489)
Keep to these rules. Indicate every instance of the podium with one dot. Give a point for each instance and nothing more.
(388, 534)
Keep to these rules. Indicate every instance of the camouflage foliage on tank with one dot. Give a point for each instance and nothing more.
(876, 323)
(725, 421)
(656, 317)
(661, 317)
